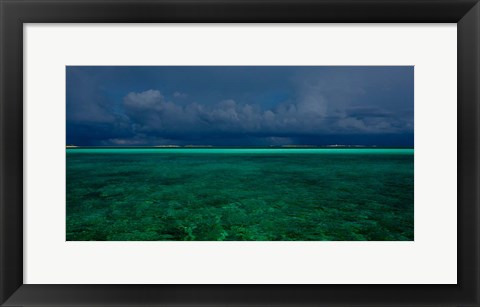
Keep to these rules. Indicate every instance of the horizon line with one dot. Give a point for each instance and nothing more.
(211, 146)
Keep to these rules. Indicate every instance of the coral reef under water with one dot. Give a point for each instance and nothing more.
(206, 194)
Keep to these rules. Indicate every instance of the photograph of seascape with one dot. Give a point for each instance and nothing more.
(239, 153)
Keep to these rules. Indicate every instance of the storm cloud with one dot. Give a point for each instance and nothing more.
(239, 106)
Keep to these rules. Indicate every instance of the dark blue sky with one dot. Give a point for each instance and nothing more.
(239, 105)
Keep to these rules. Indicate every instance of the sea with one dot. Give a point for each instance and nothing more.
(239, 194)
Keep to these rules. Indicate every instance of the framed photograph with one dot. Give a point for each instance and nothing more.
(239, 153)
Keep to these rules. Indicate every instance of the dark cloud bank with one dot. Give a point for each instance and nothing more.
(109, 106)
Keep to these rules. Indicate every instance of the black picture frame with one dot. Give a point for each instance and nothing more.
(14, 13)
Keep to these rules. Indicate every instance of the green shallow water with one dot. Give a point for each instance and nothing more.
(255, 194)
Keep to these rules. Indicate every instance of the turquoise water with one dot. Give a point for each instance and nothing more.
(239, 194)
